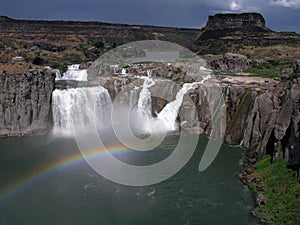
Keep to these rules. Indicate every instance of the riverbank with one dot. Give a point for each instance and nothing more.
(275, 190)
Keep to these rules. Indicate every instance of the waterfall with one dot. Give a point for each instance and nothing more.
(74, 67)
(149, 73)
(145, 106)
(123, 72)
(78, 105)
(169, 113)
(74, 73)
(57, 74)
(144, 101)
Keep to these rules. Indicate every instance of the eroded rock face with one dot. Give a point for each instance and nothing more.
(25, 107)
(229, 20)
(292, 147)
(264, 118)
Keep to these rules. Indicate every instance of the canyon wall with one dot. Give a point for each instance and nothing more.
(25, 99)
(263, 117)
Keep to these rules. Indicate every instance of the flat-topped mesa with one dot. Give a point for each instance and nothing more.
(224, 32)
(232, 20)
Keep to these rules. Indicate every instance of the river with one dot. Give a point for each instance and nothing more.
(44, 180)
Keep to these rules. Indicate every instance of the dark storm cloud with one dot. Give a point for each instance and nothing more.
(279, 14)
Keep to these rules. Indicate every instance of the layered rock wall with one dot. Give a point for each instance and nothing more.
(230, 20)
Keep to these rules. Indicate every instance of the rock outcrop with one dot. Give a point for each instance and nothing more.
(231, 62)
(25, 99)
(225, 30)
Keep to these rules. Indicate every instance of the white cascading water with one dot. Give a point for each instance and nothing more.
(145, 106)
(57, 74)
(79, 105)
(74, 73)
(149, 73)
(169, 113)
(144, 101)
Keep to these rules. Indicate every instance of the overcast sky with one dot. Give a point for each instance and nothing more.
(280, 15)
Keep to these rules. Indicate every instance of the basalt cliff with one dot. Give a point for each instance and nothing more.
(25, 99)
(262, 115)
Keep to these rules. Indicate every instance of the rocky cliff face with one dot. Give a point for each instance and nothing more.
(262, 116)
(25, 99)
(224, 31)
(236, 20)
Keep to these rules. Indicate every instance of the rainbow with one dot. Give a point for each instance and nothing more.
(27, 180)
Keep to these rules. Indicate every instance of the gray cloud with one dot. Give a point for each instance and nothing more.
(286, 3)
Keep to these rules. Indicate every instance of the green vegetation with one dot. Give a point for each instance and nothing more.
(267, 73)
(282, 192)
(269, 69)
